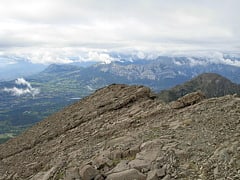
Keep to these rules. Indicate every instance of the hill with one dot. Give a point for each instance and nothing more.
(210, 84)
(123, 131)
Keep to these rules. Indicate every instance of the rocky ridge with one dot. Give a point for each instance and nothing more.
(125, 132)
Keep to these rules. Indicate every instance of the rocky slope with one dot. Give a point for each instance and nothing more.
(124, 132)
(211, 84)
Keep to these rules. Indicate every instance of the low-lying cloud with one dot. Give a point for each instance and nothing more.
(54, 31)
(16, 91)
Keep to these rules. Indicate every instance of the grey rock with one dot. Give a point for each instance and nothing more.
(72, 174)
(144, 160)
(116, 154)
(187, 100)
(103, 161)
(156, 174)
(131, 174)
(140, 164)
(88, 172)
(44, 175)
(121, 166)
(152, 175)
(167, 177)
(99, 177)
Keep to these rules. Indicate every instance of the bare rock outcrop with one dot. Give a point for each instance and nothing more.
(188, 100)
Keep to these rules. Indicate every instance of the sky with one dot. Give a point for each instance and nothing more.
(61, 31)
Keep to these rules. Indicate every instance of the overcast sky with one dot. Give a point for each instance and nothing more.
(61, 30)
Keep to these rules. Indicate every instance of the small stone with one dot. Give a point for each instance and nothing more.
(216, 172)
(134, 150)
(116, 154)
(160, 172)
(99, 177)
(152, 175)
(167, 177)
(156, 174)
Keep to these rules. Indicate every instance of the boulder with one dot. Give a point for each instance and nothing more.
(131, 174)
(88, 172)
(144, 160)
(188, 100)
(102, 161)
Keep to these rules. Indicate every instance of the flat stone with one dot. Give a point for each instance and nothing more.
(140, 164)
(131, 174)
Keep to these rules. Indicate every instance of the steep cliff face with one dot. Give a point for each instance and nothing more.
(123, 131)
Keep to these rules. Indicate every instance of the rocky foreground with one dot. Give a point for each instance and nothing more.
(123, 133)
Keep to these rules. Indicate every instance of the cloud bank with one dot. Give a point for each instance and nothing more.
(57, 30)
(16, 91)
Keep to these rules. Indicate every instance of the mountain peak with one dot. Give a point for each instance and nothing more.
(57, 68)
(211, 84)
(210, 78)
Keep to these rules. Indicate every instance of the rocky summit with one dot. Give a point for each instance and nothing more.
(210, 84)
(123, 133)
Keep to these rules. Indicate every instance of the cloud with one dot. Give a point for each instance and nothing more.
(15, 91)
(219, 58)
(206, 58)
(38, 29)
(102, 57)
(21, 81)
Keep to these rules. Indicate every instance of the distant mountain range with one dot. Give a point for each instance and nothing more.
(149, 67)
(159, 74)
(60, 85)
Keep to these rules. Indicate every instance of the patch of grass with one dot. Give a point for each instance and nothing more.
(59, 175)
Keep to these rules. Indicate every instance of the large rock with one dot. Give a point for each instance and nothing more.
(121, 166)
(144, 160)
(88, 172)
(131, 174)
(72, 173)
(188, 100)
(102, 161)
